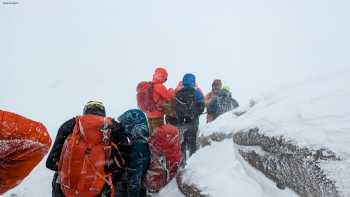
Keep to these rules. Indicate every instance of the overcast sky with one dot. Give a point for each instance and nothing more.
(56, 55)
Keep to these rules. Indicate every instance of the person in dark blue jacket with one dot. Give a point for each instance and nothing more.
(222, 103)
(135, 126)
(189, 106)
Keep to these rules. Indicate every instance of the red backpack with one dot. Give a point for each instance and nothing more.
(83, 158)
(23, 144)
(145, 97)
(166, 157)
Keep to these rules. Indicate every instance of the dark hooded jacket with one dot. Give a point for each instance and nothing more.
(136, 128)
(135, 125)
(189, 87)
(222, 103)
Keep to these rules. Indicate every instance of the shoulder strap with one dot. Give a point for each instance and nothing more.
(105, 131)
(80, 127)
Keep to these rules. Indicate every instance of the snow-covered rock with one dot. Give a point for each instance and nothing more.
(307, 124)
(219, 170)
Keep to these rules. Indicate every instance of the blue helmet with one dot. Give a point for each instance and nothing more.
(189, 80)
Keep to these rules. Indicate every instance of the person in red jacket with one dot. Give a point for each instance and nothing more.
(161, 96)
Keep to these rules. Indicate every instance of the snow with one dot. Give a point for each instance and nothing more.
(312, 113)
(57, 55)
(37, 184)
(18, 145)
(227, 174)
(171, 190)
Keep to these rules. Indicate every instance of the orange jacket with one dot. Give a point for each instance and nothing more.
(160, 93)
(208, 98)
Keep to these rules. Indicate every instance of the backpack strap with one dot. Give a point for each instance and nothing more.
(178, 100)
(105, 131)
(105, 178)
(121, 157)
(80, 126)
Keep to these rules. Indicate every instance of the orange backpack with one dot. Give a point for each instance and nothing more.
(23, 143)
(84, 156)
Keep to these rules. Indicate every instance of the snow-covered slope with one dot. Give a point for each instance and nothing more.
(219, 170)
(312, 114)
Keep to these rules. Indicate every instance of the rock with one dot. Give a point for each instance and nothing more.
(216, 137)
(288, 165)
(282, 161)
(187, 190)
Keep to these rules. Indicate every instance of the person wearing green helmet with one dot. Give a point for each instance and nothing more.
(105, 130)
(222, 103)
(216, 86)
(226, 88)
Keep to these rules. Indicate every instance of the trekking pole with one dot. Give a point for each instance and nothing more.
(165, 169)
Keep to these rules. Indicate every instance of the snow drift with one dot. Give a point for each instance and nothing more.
(297, 136)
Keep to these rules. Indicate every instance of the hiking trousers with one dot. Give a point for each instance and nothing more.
(190, 132)
(56, 187)
(135, 175)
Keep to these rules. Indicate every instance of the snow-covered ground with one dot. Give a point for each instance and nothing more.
(218, 170)
(171, 190)
(313, 114)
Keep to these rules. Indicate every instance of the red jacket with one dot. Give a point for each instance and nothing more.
(160, 93)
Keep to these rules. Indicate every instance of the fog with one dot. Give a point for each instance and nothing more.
(57, 55)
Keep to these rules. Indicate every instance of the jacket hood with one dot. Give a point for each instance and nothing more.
(189, 80)
(160, 75)
(135, 124)
(132, 117)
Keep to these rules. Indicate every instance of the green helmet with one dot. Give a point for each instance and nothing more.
(94, 107)
(226, 88)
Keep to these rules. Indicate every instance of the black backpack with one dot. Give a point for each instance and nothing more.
(185, 106)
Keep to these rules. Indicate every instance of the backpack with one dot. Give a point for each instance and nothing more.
(145, 97)
(185, 105)
(166, 157)
(222, 103)
(83, 158)
(23, 144)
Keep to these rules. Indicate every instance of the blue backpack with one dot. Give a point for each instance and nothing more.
(222, 103)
